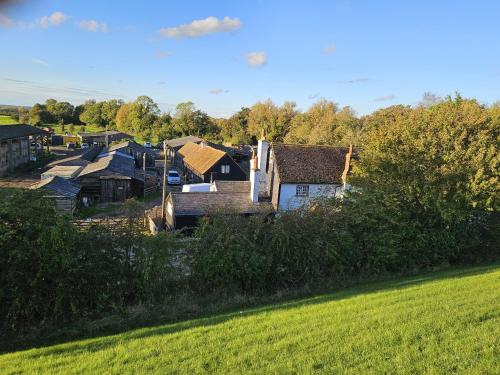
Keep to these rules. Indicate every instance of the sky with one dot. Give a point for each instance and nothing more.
(223, 55)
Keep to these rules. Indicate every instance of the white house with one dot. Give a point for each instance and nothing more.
(295, 175)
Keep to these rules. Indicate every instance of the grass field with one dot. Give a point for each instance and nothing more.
(440, 323)
(7, 120)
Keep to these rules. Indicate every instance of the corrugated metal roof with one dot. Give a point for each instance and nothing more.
(133, 145)
(81, 159)
(177, 142)
(112, 164)
(65, 171)
(59, 185)
(21, 130)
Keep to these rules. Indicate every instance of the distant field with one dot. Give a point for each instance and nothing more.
(439, 323)
(6, 120)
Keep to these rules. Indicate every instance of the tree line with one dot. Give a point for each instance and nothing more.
(323, 123)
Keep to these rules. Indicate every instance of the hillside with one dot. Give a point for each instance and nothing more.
(446, 322)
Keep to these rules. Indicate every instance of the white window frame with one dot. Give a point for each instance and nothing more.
(302, 190)
(225, 169)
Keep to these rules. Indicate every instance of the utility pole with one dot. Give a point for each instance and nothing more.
(164, 187)
(144, 172)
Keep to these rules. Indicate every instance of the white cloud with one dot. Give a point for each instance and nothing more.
(385, 98)
(39, 62)
(163, 54)
(218, 91)
(5, 21)
(202, 27)
(313, 96)
(55, 19)
(93, 26)
(330, 49)
(256, 59)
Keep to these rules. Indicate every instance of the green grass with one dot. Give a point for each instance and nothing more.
(7, 120)
(440, 323)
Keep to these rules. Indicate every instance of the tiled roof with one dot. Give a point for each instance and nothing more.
(310, 164)
(115, 165)
(232, 186)
(177, 142)
(21, 130)
(200, 158)
(208, 203)
(59, 185)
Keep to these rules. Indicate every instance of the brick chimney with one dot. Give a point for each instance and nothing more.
(254, 178)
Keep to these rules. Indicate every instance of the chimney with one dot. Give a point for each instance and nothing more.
(254, 178)
(262, 150)
(347, 166)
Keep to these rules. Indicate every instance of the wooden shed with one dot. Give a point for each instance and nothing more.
(65, 193)
(111, 178)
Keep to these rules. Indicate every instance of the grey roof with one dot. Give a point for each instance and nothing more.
(133, 145)
(115, 165)
(59, 185)
(103, 133)
(178, 142)
(232, 186)
(21, 130)
(81, 159)
(207, 203)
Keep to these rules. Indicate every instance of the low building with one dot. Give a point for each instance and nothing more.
(110, 178)
(136, 151)
(19, 144)
(81, 157)
(202, 163)
(66, 172)
(103, 138)
(296, 175)
(65, 193)
(175, 144)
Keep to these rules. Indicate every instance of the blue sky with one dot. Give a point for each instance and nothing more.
(366, 54)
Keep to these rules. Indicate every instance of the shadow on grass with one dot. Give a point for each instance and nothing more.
(99, 342)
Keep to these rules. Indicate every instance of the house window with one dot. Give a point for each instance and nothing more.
(302, 190)
(224, 169)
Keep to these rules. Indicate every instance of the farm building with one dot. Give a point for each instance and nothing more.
(80, 158)
(174, 145)
(16, 145)
(103, 138)
(203, 163)
(137, 151)
(65, 193)
(111, 178)
(183, 210)
(64, 171)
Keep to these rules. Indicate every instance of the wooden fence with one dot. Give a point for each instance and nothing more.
(112, 223)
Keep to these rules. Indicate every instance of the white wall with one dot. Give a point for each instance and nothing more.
(289, 201)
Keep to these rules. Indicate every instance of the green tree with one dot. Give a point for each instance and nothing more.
(38, 115)
(92, 113)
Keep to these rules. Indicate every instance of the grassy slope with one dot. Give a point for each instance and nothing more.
(437, 323)
(7, 120)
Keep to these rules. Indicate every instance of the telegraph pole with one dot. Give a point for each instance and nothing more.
(164, 187)
(144, 172)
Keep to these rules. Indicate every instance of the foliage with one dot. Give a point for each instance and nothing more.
(444, 322)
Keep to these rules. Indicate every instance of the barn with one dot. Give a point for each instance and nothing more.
(65, 193)
(111, 178)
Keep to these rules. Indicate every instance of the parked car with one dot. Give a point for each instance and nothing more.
(173, 178)
(85, 145)
(148, 144)
(70, 145)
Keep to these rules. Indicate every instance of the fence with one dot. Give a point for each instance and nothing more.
(113, 223)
